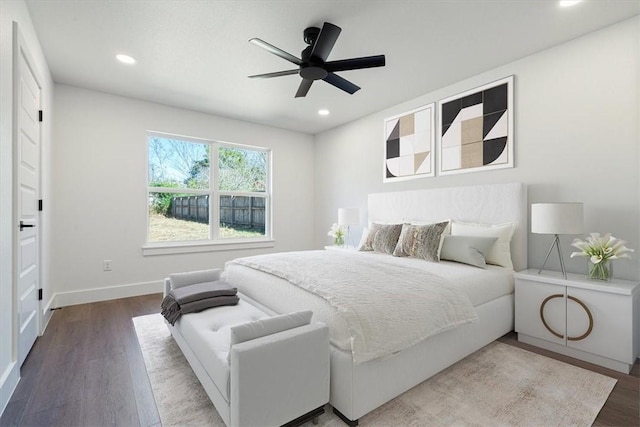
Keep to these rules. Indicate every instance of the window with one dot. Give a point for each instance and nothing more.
(202, 191)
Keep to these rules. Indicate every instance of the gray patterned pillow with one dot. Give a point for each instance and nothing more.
(386, 238)
(381, 238)
(420, 241)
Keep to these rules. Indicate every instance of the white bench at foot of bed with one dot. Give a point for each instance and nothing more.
(267, 381)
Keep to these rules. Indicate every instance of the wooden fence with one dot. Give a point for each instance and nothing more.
(235, 211)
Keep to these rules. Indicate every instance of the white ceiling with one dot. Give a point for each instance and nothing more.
(195, 54)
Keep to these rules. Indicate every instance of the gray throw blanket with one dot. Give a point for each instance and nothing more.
(197, 297)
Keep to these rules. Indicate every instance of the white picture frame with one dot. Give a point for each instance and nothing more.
(475, 129)
(409, 145)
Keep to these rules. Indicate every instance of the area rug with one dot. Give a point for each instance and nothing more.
(499, 385)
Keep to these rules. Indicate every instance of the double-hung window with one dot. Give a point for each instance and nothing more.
(203, 192)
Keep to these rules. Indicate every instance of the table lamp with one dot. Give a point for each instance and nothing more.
(556, 219)
(348, 217)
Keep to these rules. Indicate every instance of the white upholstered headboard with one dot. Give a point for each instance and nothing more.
(487, 204)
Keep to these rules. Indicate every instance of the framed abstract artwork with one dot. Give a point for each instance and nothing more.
(476, 129)
(409, 145)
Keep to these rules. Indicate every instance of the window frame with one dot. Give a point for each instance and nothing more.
(214, 242)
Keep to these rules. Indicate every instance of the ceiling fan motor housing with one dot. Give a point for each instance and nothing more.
(311, 69)
(313, 73)
(313, 64)
(310, 35)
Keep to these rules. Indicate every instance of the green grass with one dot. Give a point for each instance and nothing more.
(229, 232)
(164, 229)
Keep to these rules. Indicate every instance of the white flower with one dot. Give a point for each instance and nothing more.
(601, 248)
(336, 231)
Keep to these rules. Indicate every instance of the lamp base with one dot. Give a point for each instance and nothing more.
(348, 239)
(556, 242)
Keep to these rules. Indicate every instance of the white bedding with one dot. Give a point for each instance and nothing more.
(380, 334)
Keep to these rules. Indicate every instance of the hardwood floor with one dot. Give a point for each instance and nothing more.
(87, 370)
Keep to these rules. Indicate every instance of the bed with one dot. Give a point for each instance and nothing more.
(365, 372)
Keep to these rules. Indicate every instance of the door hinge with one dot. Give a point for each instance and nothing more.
(39, 294)
(40, 115)
(40, 205)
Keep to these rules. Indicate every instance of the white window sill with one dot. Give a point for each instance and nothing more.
(168, 248)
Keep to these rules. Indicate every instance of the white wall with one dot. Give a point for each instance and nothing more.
(10, 12)
(576, 139)
(100, 192)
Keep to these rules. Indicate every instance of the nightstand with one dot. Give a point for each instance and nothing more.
(598, 322)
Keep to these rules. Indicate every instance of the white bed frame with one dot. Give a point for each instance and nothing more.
(357, 389)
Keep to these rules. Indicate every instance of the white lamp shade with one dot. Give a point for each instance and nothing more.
(348, 216)
(556, 218)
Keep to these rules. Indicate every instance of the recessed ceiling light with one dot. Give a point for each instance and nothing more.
(125, 59)
(323, 112)
(567, 3)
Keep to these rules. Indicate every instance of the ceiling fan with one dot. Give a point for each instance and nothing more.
(314, 66)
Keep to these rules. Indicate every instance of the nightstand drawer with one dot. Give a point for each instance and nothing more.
(541, 311)
(611, 332)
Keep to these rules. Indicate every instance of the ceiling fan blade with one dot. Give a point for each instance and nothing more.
(325, 42)
(276, 74)
(276, 51)
(355, 63)
(304, 87)
(341, 83)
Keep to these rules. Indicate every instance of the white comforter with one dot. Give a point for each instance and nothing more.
(387, 307)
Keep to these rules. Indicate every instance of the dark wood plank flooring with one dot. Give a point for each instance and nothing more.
(87, 370)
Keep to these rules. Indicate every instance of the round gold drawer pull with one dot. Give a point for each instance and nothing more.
(586, 334)
(572, 298)
(544, 322)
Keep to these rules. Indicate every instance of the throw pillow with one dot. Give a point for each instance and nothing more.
(420, 241)
(179, 280)
(271, 325)
(467, 249)
(500, 253)
(381, 238)
(386, 238)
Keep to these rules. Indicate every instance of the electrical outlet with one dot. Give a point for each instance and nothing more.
(106, 265)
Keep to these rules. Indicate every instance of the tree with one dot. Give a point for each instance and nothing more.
(180, 162)
(183, 164)
(158, 158)
(199, 173)
(160, 203)
(242, 169)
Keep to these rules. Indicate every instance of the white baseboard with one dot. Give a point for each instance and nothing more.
(47, 312)
(8, 383)
(84, 296)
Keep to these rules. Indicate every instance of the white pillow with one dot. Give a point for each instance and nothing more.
(271, 325)
(467, 249)
(179, 280)
(500, 253)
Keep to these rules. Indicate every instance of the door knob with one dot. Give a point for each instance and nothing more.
(23, 225)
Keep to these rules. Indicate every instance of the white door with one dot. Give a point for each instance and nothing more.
(27, 166)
